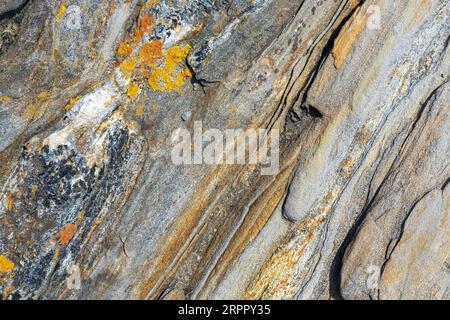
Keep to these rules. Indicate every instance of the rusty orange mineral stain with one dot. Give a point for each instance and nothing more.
(347, 38)
(6, 265)
(67, 233)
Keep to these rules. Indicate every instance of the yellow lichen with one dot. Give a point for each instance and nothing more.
(172, 76)
(5, 99)
(155, 79)
(124, 49)
(60, 13)
(10, 201)
(150, 3)
(128, 66)
(186, 72)
(6, 265)
(132, 89)
(175, 55)
(34, 188)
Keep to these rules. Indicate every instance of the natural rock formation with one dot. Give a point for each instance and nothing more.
(93, 207)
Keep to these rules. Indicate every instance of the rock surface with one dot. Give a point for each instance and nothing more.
(92, 207)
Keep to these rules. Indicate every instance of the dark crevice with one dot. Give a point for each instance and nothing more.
(402, 231)
(195, 80)
(396, 241)
(11, 14)
(336, 267)
(445, 184)
(10, 27)
(304, 105)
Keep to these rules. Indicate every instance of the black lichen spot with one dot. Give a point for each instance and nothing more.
(8, 35)
(10, 27)
(55, 185)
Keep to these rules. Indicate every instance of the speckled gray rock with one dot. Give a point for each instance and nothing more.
(92, 207)
(10, 5)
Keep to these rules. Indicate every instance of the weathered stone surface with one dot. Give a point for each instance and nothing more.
(91, 92)
(10, 5)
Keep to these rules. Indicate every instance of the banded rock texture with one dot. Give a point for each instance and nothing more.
(91, 91)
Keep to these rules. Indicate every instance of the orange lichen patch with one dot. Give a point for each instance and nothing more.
(60, 13)
(72, 103)
(145, 24)
(133, 90)
(151, 52)
(10, 201)
(67, 233)
(128, 66)
(124, 49)
(6, 265)
(5, 99)
(344, 42)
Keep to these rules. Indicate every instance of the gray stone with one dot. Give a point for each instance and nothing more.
(93, 207)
